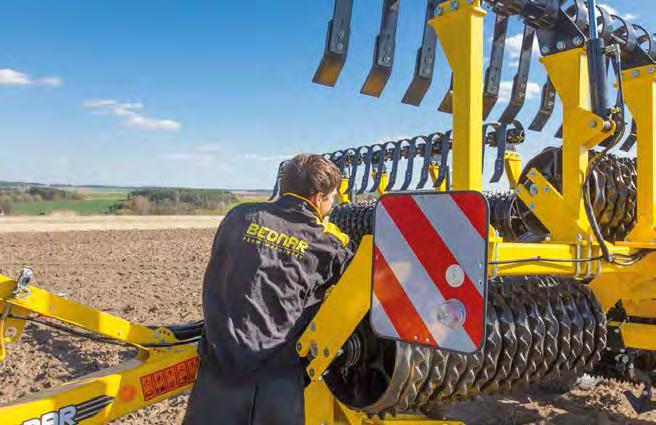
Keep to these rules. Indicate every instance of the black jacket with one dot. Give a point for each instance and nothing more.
(270, 267)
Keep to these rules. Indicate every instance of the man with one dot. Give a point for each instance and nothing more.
(270, 267)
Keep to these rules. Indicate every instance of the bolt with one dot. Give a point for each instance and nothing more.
(532, 174)
(533, 190)
(592, 123)
(311, 372)
(532, 206)
(545, 50)
(299, 347)
(313, 327)
(416, 337)
(635, 73)
(651, 69)
(326, 352)
(546, 189)
(387, 59)
(439, 11)
(455, 5)
(578, 40)
(340, 46)
(561, 45)
(518, 191)
(427, 339)
(314, 349)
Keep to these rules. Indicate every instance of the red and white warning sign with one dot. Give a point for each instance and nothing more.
(430, 269)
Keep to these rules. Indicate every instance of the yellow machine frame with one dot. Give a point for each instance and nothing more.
(562, 213)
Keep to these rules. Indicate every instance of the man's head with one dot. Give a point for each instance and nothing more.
(312, 177)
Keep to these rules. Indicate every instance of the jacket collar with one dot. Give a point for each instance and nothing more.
(304, 200)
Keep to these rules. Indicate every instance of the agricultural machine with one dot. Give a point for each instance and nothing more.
(453, 292)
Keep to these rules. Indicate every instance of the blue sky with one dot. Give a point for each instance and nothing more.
(205, 94)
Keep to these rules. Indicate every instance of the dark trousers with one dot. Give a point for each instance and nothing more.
(273, 395)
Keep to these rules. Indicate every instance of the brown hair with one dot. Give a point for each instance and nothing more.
(306, 175)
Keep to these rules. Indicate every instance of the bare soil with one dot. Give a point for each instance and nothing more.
(154, 277)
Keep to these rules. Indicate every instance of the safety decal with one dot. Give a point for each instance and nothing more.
(169, 379)
(429, 269)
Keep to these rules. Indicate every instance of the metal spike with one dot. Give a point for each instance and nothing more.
(276, 186)
(632, 139)
(520, 82)
(355, 163)
(396, 157)
(547, 103)
(443, 173)
(493, 71)
(427, 154)
(380, 167)
(425, 63)
(366, 159)
(337, 42)
(500, 141)
(384, 52)
(412, 149)
(446, 105)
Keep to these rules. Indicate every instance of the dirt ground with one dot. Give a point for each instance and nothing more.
(154, 277)
(68, 222)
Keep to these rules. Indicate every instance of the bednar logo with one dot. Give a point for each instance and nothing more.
(169, 379)
(72, 414)
(269, 238)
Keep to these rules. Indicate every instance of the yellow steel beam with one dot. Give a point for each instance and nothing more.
(636, 335)
(512, 163)
(640, 95)
(582, 130)
(465, 55)
(349, 300)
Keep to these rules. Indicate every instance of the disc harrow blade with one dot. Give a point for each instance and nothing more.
(276, 187)
(337, 44)
(425, 64)
(384, 50)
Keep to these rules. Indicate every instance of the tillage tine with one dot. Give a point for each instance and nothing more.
(384, 51)
(425, 64)
(500, 140)
(445, 147)
(446, 105)
(396, 157)
(355, 163)
(520, 82)
(494, 69)
(632, 139)
(427, 154)
(337, 42)
(276, 186)
(412, 149)
(367, 159)
(547, 103)
(380, 167)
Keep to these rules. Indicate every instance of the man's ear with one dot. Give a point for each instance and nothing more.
(316, 198)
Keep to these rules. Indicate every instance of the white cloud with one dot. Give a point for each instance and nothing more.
(533, 90)
(514, 45)
(258, 157)
(613, 11)
(131, 115)
(11, 77)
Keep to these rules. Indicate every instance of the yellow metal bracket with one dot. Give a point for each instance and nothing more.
(640, 95)
(343, 187)
(434, 172)
(349, 300)
(512, 163)
(465, 56)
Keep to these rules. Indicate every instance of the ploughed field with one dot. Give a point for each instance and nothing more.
(154, 277)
